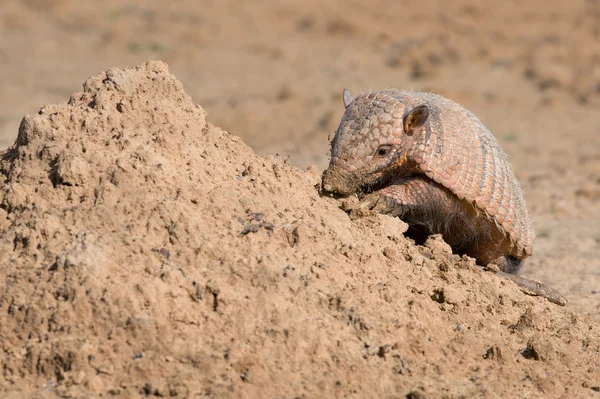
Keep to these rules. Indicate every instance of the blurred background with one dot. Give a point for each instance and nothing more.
(273, 72)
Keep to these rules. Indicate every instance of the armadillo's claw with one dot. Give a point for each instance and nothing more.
(378, 203)
(532, 287)
(369, 204)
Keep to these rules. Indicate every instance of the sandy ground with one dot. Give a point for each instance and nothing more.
(80, 314)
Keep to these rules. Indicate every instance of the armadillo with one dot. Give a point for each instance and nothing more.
(434, 164)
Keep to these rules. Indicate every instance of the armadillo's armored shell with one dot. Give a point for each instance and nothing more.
(456, 150)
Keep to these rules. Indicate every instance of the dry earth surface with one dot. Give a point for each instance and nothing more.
(148, 252)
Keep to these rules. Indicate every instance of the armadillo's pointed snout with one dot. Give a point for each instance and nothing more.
(326, 183)
(334, 182)
(328, 188)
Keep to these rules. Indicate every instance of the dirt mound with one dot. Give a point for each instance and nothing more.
(145, 251)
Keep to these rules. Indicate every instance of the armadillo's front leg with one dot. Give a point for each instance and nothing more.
(417, 197)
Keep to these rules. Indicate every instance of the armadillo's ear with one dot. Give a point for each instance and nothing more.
(347, 98)
(415, 118)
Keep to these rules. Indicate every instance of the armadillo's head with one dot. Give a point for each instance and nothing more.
(369, 147)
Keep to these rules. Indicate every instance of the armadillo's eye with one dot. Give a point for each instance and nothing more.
(383, 151)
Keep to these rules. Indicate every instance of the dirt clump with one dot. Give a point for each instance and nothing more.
(145, 251)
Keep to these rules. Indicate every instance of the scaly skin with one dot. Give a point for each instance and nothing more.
(433, 163)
